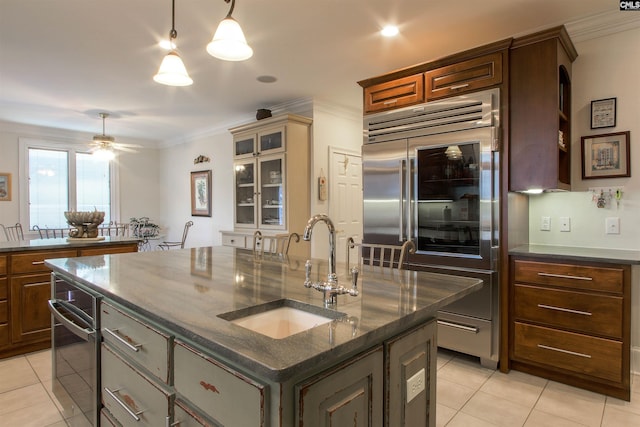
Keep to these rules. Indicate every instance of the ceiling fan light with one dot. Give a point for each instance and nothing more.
(228, 42)
(172, 71)
(105, 153)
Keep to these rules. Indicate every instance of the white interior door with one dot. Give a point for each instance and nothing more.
(345, 197)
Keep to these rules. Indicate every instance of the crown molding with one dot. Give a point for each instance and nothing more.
(602, 24)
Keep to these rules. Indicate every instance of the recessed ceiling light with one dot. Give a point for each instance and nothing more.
(266, 79)
(390, 31)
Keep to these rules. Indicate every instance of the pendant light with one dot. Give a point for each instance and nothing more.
(228, 42)
(172, 71)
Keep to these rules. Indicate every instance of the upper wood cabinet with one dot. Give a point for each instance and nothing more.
(540, 109)
(464, 76)
(394, 94)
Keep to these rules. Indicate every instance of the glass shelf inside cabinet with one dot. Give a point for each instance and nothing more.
(272, 192)
(245, 193)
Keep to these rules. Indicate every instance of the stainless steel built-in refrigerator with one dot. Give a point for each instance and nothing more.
(431, 175)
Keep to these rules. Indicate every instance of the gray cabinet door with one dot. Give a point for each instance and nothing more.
(410, 377)
(348, 395)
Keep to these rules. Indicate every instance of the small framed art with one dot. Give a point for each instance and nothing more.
(606, 156)
(5, 187)
(201, 193)
(603, 113)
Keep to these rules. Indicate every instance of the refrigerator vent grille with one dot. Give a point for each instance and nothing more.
(459, 113)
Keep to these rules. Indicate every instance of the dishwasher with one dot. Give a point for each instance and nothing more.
(75, 341)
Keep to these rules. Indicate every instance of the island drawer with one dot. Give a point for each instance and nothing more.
(3, 265)
(129, 396)
(109, 250)
(33, 262)
(184, 416)
(215, 388)
(235, 240)
(139, 341)
(572, 276)
(583, 354)
(578, 311)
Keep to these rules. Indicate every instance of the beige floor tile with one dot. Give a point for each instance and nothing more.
(33, 416)
(465, 420)
(614, 417)
(622, 405)
(40, 361)
(58, 424)
(466, 372)
(444, 357)
(516, 387)
(572, 403)
(444, 414)
(16, 373)
(496, 411)
(24, 397)
(542, 419)
(451, 394)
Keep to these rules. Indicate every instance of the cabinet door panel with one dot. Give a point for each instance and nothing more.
(3, 264)
(394, 94)
(30, 317)
(348, 395)
(465, 76)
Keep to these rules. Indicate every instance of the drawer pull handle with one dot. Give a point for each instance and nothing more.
(390, 102)
(465, 328)
(457, 87)
(37, 262)
(566, 310)
(565, 276)
(124, 342)
(573, 353)
(134, 415)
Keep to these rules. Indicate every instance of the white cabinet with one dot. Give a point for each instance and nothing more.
(272, 179)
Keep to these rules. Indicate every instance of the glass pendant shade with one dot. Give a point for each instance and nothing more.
(453, 152)
(229, 43)
(172, 71)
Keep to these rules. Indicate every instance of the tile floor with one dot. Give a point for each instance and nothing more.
(468, 396)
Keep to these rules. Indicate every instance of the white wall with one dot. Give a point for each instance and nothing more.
(176, 165)
(606, 67)
(138, 174)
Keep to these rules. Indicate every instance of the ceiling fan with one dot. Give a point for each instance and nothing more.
(104, 145)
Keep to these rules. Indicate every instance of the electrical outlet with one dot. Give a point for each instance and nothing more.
(612, 225)
(415, 385)
(545, 223)
(565, 223)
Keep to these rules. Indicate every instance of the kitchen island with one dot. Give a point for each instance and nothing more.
(25, 286)
(372, 363)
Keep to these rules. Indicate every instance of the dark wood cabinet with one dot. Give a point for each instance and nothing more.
(397, 93)
(464, 76)
(25, 288)
(570, 322)
(540, 109)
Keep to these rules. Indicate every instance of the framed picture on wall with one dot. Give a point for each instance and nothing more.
(603, 113)
(5, 187)
(606, 156)
(201, 193)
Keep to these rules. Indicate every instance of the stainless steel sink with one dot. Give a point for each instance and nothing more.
(281, 318)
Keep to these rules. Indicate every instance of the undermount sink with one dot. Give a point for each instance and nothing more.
(281, 318)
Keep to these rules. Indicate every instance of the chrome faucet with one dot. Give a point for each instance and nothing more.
(330, 288)
(332, 276)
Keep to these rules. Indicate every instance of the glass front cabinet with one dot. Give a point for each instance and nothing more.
(267, 153)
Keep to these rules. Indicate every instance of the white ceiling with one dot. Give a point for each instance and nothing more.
(63, 61)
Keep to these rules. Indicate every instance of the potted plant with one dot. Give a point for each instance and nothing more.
(143, 227)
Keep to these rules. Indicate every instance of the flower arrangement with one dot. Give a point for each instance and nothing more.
(143, 227)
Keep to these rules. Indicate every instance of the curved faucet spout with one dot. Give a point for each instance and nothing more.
(332, 276)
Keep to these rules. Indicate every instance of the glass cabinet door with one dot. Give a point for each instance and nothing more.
(272, 195)
(245, 193)
(244, 146)
(271, 141)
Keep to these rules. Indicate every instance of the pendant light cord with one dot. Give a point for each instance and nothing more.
(233, 4)
(173, 33)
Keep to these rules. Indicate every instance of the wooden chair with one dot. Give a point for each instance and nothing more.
(13, 233)
(180, 244)
(273, 245)
(51, 233)
(380, 255)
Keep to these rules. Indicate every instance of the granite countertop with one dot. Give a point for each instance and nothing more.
(619, 256)
(185, 291)
(60, 243)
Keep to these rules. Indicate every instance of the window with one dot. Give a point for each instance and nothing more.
(62, 177)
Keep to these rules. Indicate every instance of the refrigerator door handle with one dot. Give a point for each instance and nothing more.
(403, 164)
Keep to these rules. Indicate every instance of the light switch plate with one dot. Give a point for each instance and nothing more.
(565, 223)
(612, 225)
(545, 223)
(415, 385)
